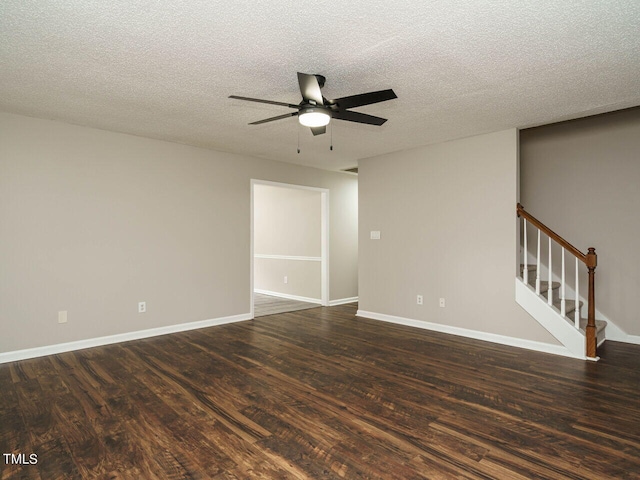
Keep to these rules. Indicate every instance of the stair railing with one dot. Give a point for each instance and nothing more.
(590, 259)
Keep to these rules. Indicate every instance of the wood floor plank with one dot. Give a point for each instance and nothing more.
(320, 393)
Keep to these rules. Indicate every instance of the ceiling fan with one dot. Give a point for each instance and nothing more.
(315, 111)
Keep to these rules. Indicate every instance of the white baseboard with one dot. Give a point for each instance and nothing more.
(289, 297)
(121, 337)
(616, 334)
(342, 301)
(463, 332)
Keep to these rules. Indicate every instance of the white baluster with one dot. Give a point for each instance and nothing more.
(563, 305)
(549, 289)
(538, 266)
(525, 271)
(577, 312)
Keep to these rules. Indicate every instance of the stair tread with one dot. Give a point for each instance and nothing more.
(570, 303)
(529, 267)
(600, 324)
(544, 285)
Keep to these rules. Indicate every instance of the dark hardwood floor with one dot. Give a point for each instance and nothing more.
(321, 394)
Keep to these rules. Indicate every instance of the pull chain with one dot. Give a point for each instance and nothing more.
(331, 128)
(298, 139)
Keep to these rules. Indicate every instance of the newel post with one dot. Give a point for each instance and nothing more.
(591, 260)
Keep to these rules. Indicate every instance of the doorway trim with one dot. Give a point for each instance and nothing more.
(324, 237)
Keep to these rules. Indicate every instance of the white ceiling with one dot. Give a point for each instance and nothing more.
(164, 68)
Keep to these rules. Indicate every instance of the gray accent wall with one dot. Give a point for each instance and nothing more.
(582, 179)
(448, 229)
(92, 222)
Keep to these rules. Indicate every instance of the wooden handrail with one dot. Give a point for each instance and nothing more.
(521, 212)
(590, 259)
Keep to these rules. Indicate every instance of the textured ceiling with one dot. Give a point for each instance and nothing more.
(164, 68)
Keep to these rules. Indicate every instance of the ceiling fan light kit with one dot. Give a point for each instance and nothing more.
(316, 112)
(314, 117)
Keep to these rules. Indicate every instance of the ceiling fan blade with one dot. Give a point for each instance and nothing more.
(363, 99)
(270, 102)
(279, 117)
(318, 130)
(310, 88)
(358, 117)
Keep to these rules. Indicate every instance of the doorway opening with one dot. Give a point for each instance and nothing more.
(289, 247)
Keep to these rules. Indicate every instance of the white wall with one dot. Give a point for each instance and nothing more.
(94, 221)
(287, 228)
(287, 221)
(448, 226)
(581, 178)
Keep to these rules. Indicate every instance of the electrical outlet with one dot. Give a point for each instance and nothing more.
(375, 235)
(442, 302)
(286, 279)
(419, 300)
(62, 316)
(142, 307)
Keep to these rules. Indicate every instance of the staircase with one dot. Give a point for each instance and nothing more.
(547, 300)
